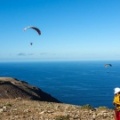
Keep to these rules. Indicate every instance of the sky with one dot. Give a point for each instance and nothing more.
(70, 30)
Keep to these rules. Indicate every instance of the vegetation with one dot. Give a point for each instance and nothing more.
(87, 106)
(67, 117)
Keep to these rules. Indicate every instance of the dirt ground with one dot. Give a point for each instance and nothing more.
(19, 109)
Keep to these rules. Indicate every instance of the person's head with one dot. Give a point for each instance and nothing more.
(116, 90)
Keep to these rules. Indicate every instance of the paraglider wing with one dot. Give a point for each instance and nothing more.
(34, 28)
(108, 65)
(39, 32)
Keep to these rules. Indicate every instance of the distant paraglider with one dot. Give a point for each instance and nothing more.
(108, 66)
(34, 28)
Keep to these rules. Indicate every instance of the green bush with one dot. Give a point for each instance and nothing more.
(62, 117)
(87, 106)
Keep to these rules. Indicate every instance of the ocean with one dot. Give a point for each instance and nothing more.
(77, 83)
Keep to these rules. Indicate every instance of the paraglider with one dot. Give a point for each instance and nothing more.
(34, 28)
(108, 66)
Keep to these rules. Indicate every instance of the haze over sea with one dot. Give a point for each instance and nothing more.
(77, 83)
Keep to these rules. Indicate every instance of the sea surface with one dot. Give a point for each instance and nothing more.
(78, 83)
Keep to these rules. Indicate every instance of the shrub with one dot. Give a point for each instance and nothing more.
(87, 106)
(62, 117)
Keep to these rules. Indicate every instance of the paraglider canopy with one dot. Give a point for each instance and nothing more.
(108, 65)
(34, 28)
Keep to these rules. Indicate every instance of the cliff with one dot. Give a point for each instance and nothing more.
(13, 88)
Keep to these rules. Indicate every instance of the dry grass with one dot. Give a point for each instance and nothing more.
(19, 109)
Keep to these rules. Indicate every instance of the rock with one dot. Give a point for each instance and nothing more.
(1, 110)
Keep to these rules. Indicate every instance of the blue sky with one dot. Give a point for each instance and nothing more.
(71, 30)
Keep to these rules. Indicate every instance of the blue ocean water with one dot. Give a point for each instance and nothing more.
(77, 83)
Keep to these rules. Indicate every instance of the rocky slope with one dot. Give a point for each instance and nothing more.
(13, 88)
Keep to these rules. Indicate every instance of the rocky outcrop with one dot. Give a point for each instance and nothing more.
(13, 88)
